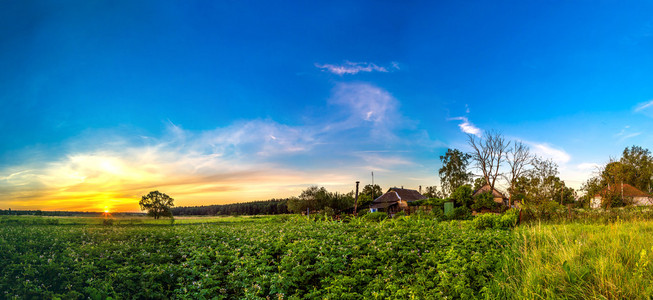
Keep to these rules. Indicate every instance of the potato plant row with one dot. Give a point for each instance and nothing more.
(290, 259)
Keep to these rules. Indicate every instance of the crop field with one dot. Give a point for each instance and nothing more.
(250, 258)
(290, 257)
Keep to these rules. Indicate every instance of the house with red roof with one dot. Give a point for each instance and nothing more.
(636, 196)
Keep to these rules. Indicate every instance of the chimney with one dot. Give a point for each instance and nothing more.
(420, 189)
(356, 199)
(402, 187)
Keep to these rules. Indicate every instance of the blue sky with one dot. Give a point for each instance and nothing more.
(219, 102)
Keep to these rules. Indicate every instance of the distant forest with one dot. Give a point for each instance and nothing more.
(267, 207)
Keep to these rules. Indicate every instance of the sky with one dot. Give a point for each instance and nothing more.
(215, 102)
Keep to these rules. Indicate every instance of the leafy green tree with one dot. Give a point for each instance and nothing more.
(432, 192)
(374, 191)
(157, 204)
(478, 183)
(462, 196)
(638, 165)
(317, 198)
(454, 170)
(364, 200)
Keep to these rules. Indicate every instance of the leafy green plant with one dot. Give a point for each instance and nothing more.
(376, 216)
(484, 201)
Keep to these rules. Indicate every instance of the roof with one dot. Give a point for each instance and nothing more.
(486, 188)
(629, 191)
(396, 194)
(382, 204)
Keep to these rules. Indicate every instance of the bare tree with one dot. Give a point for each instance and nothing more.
(488, 153)
(518, 158)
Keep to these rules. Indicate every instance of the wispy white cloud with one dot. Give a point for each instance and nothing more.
(625, 134)
(467, 127)
(549, 152)
(366, 102)
(644, 106)
(356, 67)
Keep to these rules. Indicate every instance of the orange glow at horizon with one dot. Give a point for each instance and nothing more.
(111, 182)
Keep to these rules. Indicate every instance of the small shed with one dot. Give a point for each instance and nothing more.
(395, 200)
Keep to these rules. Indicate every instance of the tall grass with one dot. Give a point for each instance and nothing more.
(578, 261)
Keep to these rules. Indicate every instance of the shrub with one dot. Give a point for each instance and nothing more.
(461, 213)
(484, 201)
(504, 221)
(399, 214)
(462, 196)
(484, 221)
(508, 219)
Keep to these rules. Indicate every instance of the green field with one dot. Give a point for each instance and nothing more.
(289, 257)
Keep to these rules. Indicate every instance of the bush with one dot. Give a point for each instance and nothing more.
(484, 201)
(509, 219)
(461, 213)
(484, 221)
(505, 221)
(376, 216)
(462, 196)
(399, 214)
(428, 202)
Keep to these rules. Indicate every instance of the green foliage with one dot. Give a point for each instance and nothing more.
(432, 192)
(316, 199)
(484, 201)
(484, 221)
(372, 191)
(376, 216)
(638, 167)
(454, 170)
(428, 202)
(479, 182)
(157, 204)
(462, 196)
(239, 258)
(577, 261)
(461, 213)
(506, 220)
(364, 201)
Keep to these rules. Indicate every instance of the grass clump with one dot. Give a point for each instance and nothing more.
(578, 261)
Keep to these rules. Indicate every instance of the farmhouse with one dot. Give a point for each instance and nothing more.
(625, 190)
(395, 200)
(499, 197)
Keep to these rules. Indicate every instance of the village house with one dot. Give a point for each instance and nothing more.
(395, 200)
(627, 191)
(499, 197)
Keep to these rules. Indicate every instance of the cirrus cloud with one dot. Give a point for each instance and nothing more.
(355, 68)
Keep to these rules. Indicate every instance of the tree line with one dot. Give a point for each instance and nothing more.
(534, 180)
(493, 161)
(265, 207)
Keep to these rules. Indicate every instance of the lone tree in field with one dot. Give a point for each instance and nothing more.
(157, 204)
